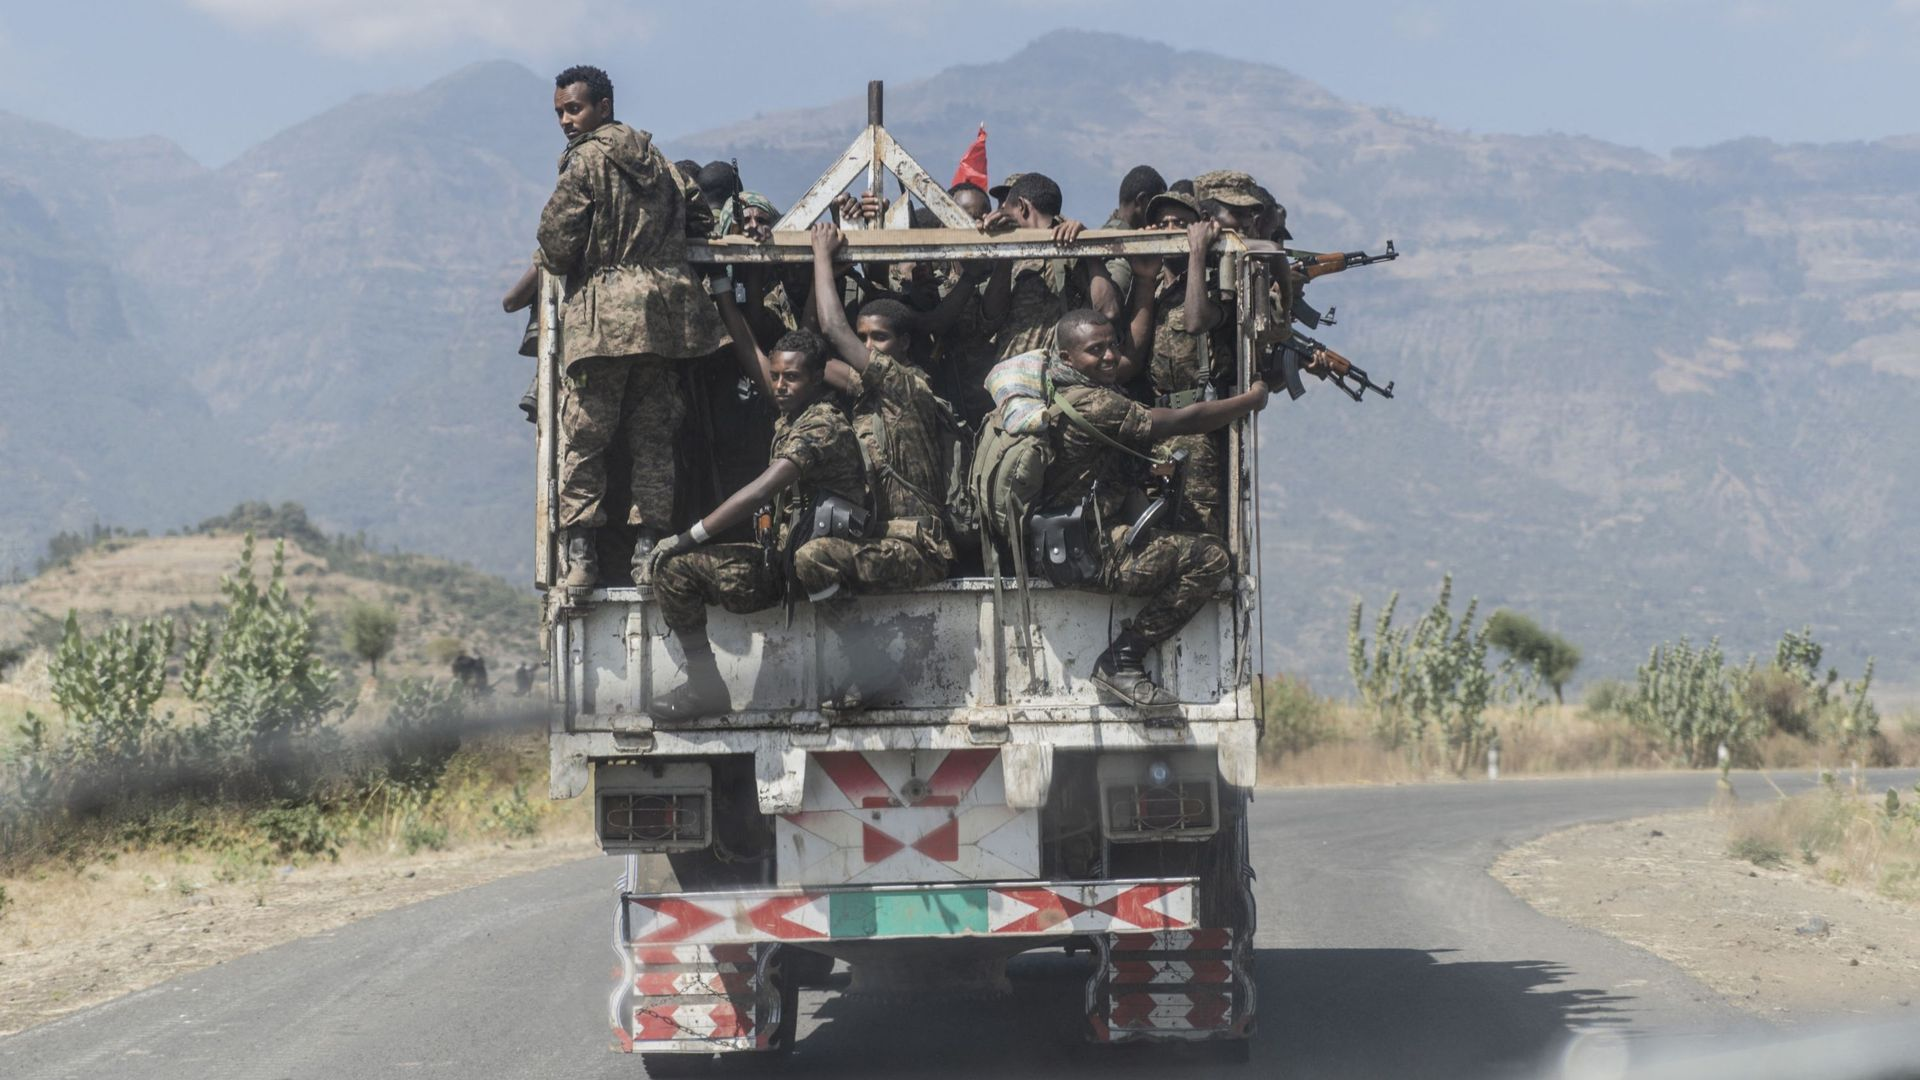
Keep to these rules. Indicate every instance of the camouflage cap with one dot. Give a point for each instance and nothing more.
(1179, 198)
(999, 190)
(1229, 186)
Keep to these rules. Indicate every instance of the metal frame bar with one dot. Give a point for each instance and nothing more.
(546, 434)
(909, 245)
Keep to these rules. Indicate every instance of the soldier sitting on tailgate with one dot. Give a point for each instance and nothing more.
(617, 228)
(817, 484)
(1174, 314)
(1096, 441)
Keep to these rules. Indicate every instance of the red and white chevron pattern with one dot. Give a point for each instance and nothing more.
(1178, 984)
(696, 998)
(900, 816)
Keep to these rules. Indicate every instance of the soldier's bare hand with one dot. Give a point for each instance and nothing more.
(872, 206)
(1259, 393)
(1067, 230)
(827, 238)
(998, 221)
(1202, 234)
(845, 207)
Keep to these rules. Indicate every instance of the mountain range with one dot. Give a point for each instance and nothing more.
(1638, 396)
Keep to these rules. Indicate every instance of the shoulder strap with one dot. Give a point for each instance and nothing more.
(1073, 417)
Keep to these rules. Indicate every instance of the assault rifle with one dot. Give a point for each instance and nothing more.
(1317, 264)
(1301, 353)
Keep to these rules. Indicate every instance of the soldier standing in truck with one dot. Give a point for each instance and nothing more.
(1177, 570)
(616, 227)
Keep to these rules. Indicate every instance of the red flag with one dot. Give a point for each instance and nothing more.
(973, 167)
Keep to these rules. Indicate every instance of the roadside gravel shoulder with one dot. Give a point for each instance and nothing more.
(1776, 942)
(70, 939)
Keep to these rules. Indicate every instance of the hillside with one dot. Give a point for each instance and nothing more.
(1639, 396)
(441, 607)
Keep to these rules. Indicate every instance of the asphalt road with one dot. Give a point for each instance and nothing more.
(1385, 950)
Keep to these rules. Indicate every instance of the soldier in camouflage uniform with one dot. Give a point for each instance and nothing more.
(1177, 570)
(1175, 315)
(1137, 190)
(616, 227)
(896, 415)
(1025, 299)
(1236, 192)
(814, 453)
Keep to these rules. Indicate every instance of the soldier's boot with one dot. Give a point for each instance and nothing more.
(1122, 672)
(530, 401)
(702, 695)
(642, 564)
(583, 558)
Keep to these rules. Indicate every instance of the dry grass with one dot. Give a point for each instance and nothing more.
(1838, 836)
(1317, 740)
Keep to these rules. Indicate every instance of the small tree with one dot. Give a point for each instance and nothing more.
(1529, 643)
(1689, 695)
(261, 680)
(107, 686)
(369, 633)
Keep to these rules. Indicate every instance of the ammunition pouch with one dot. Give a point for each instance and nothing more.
(826, 515)
(1063, 545)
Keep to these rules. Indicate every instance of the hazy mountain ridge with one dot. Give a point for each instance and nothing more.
(1640, 396)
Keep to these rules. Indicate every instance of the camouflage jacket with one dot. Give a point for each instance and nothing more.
(1043, 290)
(1181, 359)
(1080, 462)
(900, 398)
(1120, 270)
(821, 444)
(616, 228)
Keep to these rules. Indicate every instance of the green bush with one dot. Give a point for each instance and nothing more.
(1433, 676)
(421, 833)
(1296, 717)
(1607, 697)
(298, 828)
(261, 680)
(515, 816)
(107, 685)
(369, 633)
(422, 733)
(1688, 696)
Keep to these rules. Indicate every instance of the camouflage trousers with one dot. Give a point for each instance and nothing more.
(906, 559)
(1178, 570)
(731, 576)
(1203, 501)
(601, 393)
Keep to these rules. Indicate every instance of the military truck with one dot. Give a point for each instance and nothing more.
(981, 801)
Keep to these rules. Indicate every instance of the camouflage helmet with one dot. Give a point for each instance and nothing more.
(1176, 198)
(1229, 186)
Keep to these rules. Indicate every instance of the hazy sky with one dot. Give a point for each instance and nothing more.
(217, 76)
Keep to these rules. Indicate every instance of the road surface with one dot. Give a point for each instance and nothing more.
(1385, 949)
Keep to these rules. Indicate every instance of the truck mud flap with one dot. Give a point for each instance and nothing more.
(700, 999)
(1171, 986)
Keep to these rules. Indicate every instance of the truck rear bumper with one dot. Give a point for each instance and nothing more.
(877, 913)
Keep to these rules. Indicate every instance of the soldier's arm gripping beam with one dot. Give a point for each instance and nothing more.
(746, 351)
